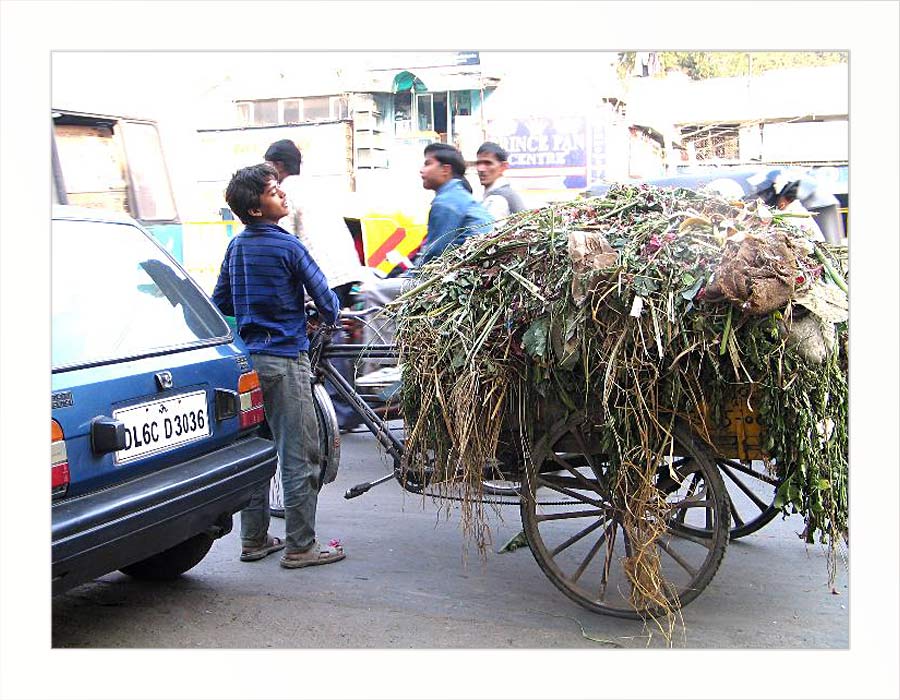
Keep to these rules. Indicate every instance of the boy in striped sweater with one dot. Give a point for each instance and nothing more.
(262, 283)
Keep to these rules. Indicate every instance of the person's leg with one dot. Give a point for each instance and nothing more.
(294, 429)
(255, 516)
(300, 468)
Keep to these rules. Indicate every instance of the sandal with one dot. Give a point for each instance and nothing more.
(272, 544)
(314, 556)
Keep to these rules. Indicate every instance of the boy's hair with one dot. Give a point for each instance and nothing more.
(446, 154)
(495, 149)
(247, 184)
(285, 151)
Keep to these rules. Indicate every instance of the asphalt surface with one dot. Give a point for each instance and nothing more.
(411, 580)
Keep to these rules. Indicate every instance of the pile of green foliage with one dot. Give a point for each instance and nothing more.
(632, 308)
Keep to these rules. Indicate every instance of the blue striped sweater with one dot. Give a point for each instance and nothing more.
(261, 283)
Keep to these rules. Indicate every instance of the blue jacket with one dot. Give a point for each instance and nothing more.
(261, 283)
(455, 215)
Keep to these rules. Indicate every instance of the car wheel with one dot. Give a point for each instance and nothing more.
(171, 563)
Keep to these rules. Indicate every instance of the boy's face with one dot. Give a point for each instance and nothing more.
(434, 173)
(272, 204)
(489, 168)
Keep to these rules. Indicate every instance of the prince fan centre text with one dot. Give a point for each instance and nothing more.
(539, 150)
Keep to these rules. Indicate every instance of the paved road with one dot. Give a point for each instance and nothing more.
(407, 584)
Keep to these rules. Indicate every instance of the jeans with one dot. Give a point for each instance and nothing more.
(291, 415)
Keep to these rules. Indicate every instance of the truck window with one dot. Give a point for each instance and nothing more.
(152, 192)
(92, 169)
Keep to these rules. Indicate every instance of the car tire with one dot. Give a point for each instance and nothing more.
(171, 563)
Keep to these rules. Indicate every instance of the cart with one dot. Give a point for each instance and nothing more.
(572, 524)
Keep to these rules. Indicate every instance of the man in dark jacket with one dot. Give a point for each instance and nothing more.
(499, 198)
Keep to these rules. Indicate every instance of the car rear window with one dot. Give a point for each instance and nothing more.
(115, 294)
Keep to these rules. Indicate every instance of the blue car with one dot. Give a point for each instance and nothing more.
(155, 408)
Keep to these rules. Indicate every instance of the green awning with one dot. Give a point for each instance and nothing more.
(404, 82)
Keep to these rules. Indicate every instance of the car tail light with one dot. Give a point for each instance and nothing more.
(251, 400)
(59, 461)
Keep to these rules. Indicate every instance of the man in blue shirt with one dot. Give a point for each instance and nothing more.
(261, 283)
(455, 214)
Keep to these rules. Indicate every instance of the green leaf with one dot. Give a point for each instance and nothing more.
(534, 341)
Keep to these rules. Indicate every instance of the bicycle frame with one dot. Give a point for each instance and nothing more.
(321, 352)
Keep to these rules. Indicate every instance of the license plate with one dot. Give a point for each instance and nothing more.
(161, 425)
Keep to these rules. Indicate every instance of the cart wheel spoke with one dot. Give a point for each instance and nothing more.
(569, 515)
(592, 552)
(577, 536)
(666, 547)
(726, 470)
(595, 468)
(752, 493)
(749, 471)
(595, 485)
(551, 483)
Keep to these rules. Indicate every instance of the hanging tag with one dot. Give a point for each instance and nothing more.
(637, 306)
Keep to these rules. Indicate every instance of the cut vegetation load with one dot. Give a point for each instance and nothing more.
(595, 348)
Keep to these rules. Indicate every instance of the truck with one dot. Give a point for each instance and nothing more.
(115, 163)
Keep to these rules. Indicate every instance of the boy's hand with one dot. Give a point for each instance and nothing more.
(312, 318)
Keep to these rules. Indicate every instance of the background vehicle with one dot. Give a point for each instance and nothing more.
(822, 196)
(155, 407)
(116, 163)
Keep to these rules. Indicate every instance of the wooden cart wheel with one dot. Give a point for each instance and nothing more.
(751, 497)
(751, 492)
(581, 545)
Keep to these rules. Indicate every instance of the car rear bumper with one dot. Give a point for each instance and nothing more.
(104, 531)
